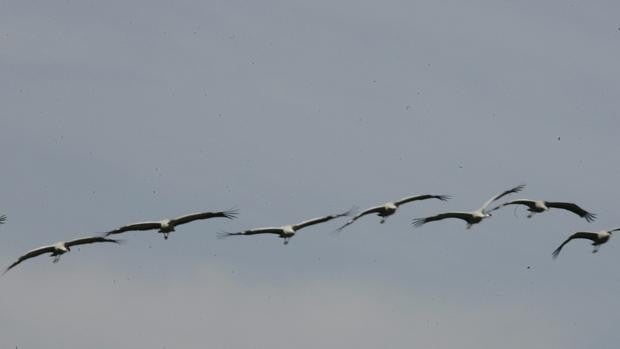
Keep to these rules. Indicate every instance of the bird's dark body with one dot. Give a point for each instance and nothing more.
(386, 211)
(601, 240)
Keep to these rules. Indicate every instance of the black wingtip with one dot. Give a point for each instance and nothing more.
(590, 217)
(116, 241)
(349, 212)
(556, 252)
(418, 222)
(223, 234)
(10, 267)
(444, 197)
(341, 228)
(498, 207)
(231, 213)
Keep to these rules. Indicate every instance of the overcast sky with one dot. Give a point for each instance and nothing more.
(115, 112)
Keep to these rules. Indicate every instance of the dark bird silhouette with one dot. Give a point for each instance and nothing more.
(597, 238)
(471, 218)
(389, 208)
(287, 231)
(538, 206)
(2, 219)
(58, 249)
(166, 226)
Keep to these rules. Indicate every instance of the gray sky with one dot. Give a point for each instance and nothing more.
(115, 112)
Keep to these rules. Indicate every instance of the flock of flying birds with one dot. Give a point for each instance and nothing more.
(166, 226)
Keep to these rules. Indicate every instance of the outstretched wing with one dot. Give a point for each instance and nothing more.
(270, 230)
(230, 214)
(529, 203)
(501, 195)
(314, 221)
(371, 210)
(36, 252)
(90, 240)
(579, 235)
(2, 219)
(421, 197)
(135, 226)
(467, 217)
(572, 208)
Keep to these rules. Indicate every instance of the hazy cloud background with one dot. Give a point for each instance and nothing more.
(114, 112)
